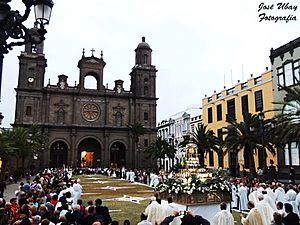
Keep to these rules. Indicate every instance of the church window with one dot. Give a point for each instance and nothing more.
(145, 58)
(90, 82)
(60, 116)
(145, 90)
(118, 119)
(146, 143)
(146, 116)
(28, 111)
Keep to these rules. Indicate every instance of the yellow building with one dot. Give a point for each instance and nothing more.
(253, 96)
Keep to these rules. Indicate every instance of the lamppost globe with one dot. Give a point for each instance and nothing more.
(251, 128)
(12, 30)
(43, 9)
(1, 118)
(261, 116)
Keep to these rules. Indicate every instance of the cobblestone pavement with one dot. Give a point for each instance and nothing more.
(10, 190)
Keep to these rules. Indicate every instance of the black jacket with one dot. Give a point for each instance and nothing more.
(187, 220)
(291, 219)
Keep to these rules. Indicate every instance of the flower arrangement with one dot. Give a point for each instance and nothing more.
(194, 183)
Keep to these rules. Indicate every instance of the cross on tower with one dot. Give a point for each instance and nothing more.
(93, 50)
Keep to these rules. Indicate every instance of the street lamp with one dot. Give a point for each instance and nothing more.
(261, 117)
(11, 26)
(1, 118)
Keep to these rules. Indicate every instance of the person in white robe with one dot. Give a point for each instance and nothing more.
(151, 179)
(234, 196)
(127, 174)
(298, 199)
(155, 180)
(279, 194)
(253, 196)
(254, 217)
(154, 211)
(290, 197)
(77, 191)
(169, 210)
(261, 187)
(243, 191)
(270, 193)
(270, 202)
(264, 209)
(224, 217)
(131, 176)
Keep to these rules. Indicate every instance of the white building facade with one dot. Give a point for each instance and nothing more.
(175, 128)
(285, 62)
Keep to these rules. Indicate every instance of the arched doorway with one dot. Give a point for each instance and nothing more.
(89, 153)
(58, 154)
(117, 154)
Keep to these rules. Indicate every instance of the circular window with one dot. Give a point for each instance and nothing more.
(90, 112)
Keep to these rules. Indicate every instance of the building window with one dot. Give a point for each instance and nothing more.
(259, 101)
(146, 143)
(219, 95)
(210, 116)
(231, 91)
(60, 116)
(297, 71)
(211, 158)
(258, 80)
(118, 119)
(145, 90)
(219, 112)
(244, 85)
(289, 73)
(280, 76)
(220, 134)
(291, 154)
(245, 106)
(145, 59)
(209, 99)
(145, 116)
(28, 111)
(231, 109)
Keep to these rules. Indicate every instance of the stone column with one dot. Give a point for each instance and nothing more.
(73, 150)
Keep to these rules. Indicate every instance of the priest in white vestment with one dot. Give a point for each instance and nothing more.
(264, 209)
(290, 197)
(154, 211)
(253, 196)
(279, 194)
(77, 191)
(224, 217)
(243, 191)
(234, 196)
(254, 217)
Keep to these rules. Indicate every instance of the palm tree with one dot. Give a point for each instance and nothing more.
(39, 141)
(22, 143)
(160, 149)
(205, 140)
(239, 136)
(137, 130)
(7, 150)
(28, 142)
(289, 117)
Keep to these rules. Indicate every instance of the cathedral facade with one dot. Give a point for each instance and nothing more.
(89, 127)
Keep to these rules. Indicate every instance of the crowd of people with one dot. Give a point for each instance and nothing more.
(54, 197)
(266, 203)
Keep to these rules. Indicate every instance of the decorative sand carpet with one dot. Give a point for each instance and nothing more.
(125, 200)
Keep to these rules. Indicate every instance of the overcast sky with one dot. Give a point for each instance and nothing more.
(198, 46)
